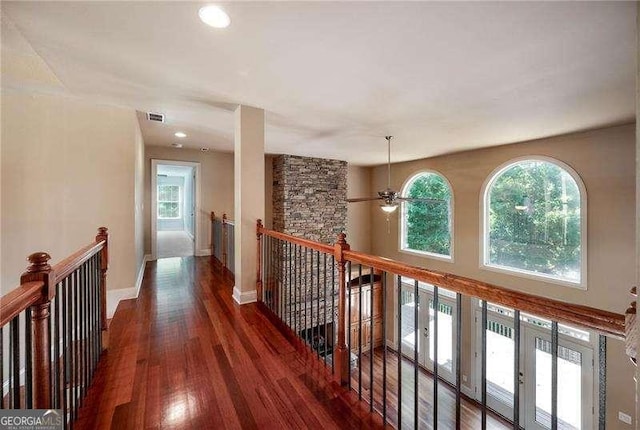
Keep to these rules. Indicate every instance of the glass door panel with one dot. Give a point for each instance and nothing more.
(446, 339)
(500, 363)
(408, 304)
(575, 376)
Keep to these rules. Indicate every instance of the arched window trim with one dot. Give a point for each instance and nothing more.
(403, 213)
(484, 225)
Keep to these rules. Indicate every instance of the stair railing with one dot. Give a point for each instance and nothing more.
(52, 328)
(338, 304)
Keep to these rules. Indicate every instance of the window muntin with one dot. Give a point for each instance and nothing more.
(534, 221)
(426, 226)
(169, 202)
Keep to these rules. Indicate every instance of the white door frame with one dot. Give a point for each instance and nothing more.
(154, 203)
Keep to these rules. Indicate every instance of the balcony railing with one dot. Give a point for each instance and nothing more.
(222, 240)
(345, 307)
(51, 331)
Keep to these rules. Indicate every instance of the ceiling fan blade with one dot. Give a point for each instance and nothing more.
(363, 199)
(410, 199)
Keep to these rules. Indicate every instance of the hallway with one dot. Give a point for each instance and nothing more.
(185, 355)
(174, 244)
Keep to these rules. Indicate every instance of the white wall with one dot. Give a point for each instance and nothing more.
(68, 167)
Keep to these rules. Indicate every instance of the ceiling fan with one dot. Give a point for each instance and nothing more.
(389, 197)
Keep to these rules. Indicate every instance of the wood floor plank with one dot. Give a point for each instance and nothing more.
(185, 355)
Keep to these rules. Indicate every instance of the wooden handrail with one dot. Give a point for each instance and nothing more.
(606, 322)
(327, 249)
(18, 300)
(67, 266)
(609, 323)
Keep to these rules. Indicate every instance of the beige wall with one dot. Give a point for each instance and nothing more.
(604, 159)
(139, 196)
(359, 214)
(216, 188)
(67, 168)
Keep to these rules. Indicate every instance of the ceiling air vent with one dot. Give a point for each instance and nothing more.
(158, 117)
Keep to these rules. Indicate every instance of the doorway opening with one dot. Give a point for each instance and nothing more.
(174, 211)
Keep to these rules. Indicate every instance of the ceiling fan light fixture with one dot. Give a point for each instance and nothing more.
(389, 207)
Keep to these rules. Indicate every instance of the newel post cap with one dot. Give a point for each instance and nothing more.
(39, 262)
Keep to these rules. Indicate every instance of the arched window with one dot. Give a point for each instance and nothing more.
(426, 225)
(535, 222)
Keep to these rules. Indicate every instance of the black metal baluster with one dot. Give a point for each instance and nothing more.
(359, 331)
(305, 327)
(56, 348)
(28, 358)
(310, 297)
(65, 345)
(416, 375)
(85, 334)
(326, 334)
(516, 369)
(91, 319)
(76, 346)
(436, 310)
(70, 347)
(458, 357)
(318, 304)
(296, 280)
(333, 310)
(384, 346)
(290, 278)
(602, 385)
(14, 364)
(349, 317)
(483, 365)
(554, 375)
(399, 346)
(371, 346)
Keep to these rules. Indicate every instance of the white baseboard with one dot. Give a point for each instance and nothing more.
(203, 252)
(243, 298)
(114, 296)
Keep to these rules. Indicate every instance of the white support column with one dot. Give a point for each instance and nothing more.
(249, 198)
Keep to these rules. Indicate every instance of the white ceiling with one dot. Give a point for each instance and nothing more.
(334, 78)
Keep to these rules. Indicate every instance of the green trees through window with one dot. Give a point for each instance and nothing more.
(427, 225)
(168, 201)
(533, 220)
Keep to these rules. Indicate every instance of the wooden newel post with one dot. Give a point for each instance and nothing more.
(103, 234)
(259, 265)
(224, 240)
(341, 353)
(40, 270)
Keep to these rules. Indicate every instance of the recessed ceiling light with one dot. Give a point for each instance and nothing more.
(214, 16)
(177, 145)
(180, 134)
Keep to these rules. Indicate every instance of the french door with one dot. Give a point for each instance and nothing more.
(421, 329)
(575, 371)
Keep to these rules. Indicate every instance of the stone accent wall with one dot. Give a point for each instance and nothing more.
(309, 201)
(310, 197)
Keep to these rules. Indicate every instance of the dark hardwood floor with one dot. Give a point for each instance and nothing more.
(184, 355)
(470, 413)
